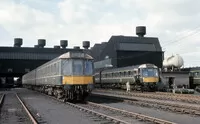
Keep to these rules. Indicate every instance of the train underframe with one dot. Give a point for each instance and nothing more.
(149, 87)
(70, 93)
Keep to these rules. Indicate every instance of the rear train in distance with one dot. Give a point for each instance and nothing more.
(141, 77)
(69, 76)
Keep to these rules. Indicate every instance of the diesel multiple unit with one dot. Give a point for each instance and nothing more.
(146, 76)
(68, 76)
(194, 78)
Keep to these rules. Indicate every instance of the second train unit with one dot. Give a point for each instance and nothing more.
(145, 77)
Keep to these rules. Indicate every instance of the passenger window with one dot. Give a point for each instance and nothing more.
(129, 73)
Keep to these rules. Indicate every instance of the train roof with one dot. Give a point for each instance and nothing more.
(68, 55)
(130, 67)
(75, 55)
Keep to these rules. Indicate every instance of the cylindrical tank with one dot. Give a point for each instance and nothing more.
(57, 47)
(173, 61)
(41, 43)
(18, 42)
(63, 43)
(86, 44)
(140, 31)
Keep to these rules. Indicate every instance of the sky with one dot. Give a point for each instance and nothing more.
(175, 22)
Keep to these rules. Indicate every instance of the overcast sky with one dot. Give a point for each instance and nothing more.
(175, 22)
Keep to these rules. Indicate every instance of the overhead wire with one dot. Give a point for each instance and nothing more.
(194, 31)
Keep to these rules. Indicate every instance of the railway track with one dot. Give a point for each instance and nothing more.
(144, 118)
(13, 110)
(160, 104)
(161, 96)
(86, 107)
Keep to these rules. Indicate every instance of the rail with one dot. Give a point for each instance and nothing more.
(104, 116)
(97, 113)
(179, 97)
(34, 121)
(135, 115)
(175, 107)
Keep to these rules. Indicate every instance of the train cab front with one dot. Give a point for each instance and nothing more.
(79, 84)
(149, 78)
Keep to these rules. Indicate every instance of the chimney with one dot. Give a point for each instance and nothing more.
(18, 42)
(63, 43)
(140, 31)
(41, 43)
(86, 44)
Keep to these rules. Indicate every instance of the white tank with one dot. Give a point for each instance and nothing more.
(174, 60)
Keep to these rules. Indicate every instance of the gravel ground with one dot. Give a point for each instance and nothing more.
(117, 115)
(169, 116)
(48, 110)
(151, 99)
(12, 111)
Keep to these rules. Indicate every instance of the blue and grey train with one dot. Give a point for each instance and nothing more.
(69, 76)
(141, 77)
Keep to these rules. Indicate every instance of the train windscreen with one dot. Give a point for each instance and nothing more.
(88, 70)
(78, 67)
(149, 72)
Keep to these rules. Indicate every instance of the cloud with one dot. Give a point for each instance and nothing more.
(98, 20)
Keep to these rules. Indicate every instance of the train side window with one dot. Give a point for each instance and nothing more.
(120, 74)
(124, 74)
(129, 73)
(114, 75)
(48, 70)
(55, 71)
(191, 74)
(196, 74)
(52, 69)
(45, 71)
(57, 68)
